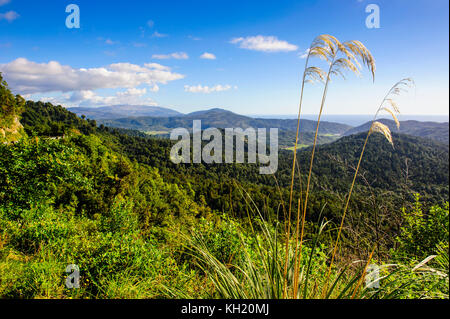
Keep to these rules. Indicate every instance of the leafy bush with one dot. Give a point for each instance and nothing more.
(422, 232)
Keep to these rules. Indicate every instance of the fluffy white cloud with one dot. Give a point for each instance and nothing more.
(132, 96)
(264, 43)
(157, 66)
(176, 55)
(155, 88)
(9, 16)
(30, 77)
(208, 56)
(133, 92)
(206, 89)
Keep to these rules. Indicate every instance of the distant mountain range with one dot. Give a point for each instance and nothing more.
(160, 121)
(121, 111)
(219, 118)
(432, 130)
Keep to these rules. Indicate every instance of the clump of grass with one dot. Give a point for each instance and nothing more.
(260, 273)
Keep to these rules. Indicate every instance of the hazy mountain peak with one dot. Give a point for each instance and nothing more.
(121, 111)
(432, 130)
(213, 111)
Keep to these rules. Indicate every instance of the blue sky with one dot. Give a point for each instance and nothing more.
(153, 53)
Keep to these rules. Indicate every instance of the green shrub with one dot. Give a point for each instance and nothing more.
(422, 232)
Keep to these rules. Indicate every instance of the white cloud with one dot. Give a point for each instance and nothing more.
(133, 92)
(206, 89)
(264, 43)
(30, 77)
(157, 66)
(88, 98)
(176, 55)
(132, 96)
(3, 2)
(304, 55)
(155, 88)
(208, 56)
(156, 34)
(9, 16)
(150, 23)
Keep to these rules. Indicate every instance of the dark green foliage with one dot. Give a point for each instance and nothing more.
(45, 119)
(34, 171)
(423, 232)
(10, 109)
(10, 105)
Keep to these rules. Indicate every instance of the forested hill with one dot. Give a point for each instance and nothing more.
(45, 119)
(432, 130)
(418, 164)
(219, 118)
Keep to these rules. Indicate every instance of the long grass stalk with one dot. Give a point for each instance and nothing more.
(310, 74)
(297, 256)
(288, 226)
(394, 90)
(309, 181)
(328, 48)
(363, 275)
(312, 162)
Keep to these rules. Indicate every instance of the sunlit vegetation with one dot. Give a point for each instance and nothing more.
(138, 226)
